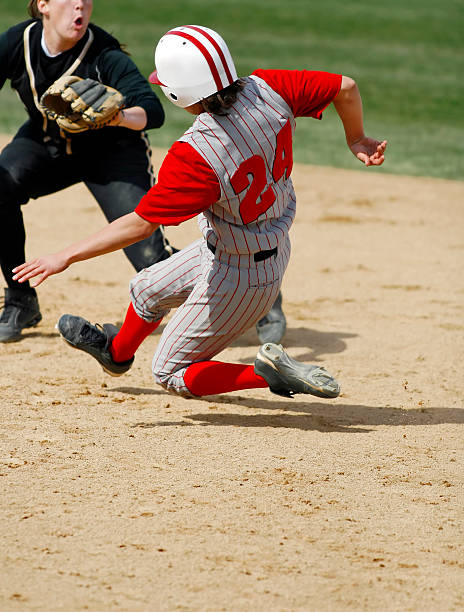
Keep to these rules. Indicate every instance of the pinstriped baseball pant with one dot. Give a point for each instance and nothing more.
(217, 296)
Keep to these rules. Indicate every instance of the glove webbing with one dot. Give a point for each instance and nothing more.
(93, 96)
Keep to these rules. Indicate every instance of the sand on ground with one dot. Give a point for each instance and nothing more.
(118, 496)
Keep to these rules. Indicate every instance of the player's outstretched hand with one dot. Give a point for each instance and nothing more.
(42, 267)
(369, 151)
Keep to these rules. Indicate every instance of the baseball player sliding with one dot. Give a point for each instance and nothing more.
(231, 168)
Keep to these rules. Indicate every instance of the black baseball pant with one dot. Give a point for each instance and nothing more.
(115, 166)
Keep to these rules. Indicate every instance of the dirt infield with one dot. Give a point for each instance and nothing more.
(118, 496)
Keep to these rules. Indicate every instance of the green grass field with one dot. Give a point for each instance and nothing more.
(407, 58)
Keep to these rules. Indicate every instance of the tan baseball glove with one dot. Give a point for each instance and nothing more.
(81, 104)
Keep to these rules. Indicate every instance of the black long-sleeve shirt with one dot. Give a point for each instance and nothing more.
(97, 55)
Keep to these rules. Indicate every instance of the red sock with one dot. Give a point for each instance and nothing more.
(213, 377)
(133, 332)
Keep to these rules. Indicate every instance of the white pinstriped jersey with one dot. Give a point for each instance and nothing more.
(250, 150)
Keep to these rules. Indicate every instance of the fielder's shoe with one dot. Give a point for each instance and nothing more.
(94, 340)
(20, 310)
(286, 376)
(271, 328)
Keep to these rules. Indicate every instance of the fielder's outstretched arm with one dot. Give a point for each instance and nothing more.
(120, 233)
(348, 105)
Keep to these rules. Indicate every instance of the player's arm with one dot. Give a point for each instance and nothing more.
(348, 105)
(144, 109)
(120, 233)
(309, 92)
(133, 118)
(186, 186)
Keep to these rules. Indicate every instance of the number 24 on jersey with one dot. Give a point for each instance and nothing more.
(261, 196)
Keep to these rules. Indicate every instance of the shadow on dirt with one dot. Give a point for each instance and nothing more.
(306, 416)
(316, 342)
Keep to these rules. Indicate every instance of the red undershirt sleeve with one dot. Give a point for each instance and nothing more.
(186, 186)
(307, 92)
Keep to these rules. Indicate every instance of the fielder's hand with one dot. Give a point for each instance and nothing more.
(369, 151)
(81, 104)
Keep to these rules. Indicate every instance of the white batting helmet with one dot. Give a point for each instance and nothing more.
(192, 62)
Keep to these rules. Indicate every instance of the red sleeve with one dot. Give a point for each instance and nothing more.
(186, 186)
(307, 92)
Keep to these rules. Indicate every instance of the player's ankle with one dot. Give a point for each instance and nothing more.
(119, 356)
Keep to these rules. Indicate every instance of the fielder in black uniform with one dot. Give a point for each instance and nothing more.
(113, 162)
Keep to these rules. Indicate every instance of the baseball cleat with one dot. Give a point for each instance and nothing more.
(94, 340)
(20, 310)
(286, 376)
(271, 328)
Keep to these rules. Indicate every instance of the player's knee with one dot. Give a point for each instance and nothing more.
(145, 253)
(11, 193)
(145, 300)
(171, 381)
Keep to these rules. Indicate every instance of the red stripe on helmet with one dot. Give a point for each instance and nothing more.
(208, 36)
(206, 54)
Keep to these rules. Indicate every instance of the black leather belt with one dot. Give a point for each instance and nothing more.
(259, 256)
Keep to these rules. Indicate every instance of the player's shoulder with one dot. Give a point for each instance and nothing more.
(266, 78)
(104, 38)
(267, 84)
(17, 31)
(11, 41)
(268, 75)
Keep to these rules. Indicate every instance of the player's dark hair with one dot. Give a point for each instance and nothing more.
(220, 102)
(124, 48)
(33, 10)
